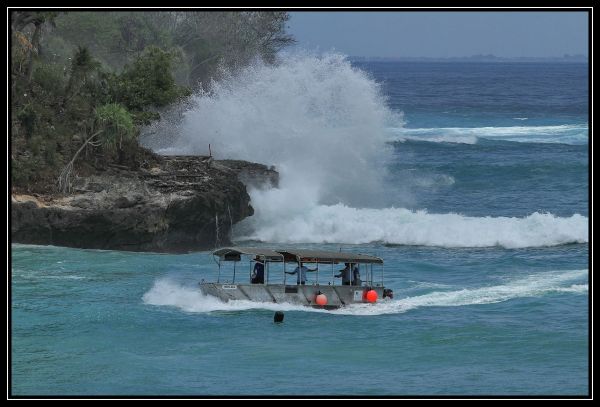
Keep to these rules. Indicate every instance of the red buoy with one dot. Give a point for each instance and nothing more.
(321, 299)
(371, 296)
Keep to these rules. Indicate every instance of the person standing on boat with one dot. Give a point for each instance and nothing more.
(301, 273)
(258, 274)
(345, 274)
(356, 275)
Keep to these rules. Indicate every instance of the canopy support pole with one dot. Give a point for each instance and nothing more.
(332, 275)
(219, 275)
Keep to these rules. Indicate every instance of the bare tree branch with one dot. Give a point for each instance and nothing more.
(64, 179)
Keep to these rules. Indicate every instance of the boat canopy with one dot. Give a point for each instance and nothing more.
(301, 255)
(235, 253)
(322, 256)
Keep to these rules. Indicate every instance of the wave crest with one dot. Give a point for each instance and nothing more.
(342, 224)
(566, 134)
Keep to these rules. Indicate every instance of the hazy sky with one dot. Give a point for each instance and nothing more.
(443, 34)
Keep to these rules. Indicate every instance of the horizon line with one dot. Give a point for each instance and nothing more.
(478, 57)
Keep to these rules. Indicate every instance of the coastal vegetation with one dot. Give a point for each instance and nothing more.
(83, 83)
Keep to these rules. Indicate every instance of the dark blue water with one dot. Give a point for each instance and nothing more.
(491, 143)
(484, 94)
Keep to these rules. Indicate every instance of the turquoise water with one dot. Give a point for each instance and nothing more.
(472, 321)
(488, 260)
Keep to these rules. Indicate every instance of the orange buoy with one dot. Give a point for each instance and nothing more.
(321, 299)
(371, 296)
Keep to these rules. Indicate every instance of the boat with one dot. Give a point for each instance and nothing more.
(321, 289)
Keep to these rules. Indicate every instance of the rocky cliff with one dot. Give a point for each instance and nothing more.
(184, 203)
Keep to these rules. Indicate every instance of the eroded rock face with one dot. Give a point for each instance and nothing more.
(186, 203)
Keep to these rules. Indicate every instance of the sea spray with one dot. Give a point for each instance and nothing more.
(319, 120)
(326, 127)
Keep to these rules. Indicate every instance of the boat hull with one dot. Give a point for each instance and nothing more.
(337, 295)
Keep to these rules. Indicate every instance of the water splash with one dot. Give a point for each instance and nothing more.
(325, 126)
(319, 120)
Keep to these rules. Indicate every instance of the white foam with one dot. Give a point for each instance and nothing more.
(166, 292)
(436, 137)
(567, 134)
(323, 124)
(43, 275)
(532, 286)
(343, 224)
(319, 120)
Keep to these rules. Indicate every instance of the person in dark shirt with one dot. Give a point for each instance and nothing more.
(258, 274)
(345, 274)
(356, 276)
(350, 269)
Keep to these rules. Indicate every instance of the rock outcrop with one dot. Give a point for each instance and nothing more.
(185, 203)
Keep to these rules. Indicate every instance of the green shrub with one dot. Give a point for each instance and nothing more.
(116, 124)
(28, 119)
(50, 78)
(148, 81)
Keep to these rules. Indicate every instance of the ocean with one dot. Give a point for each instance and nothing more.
(470, 180)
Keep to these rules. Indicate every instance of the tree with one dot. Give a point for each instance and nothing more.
(89, 79)
(20, 21)
(82, 65)
(115, 124)
(231, 38)
(148, 81)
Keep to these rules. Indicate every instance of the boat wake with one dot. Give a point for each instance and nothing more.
(569, 281)
(166, 292)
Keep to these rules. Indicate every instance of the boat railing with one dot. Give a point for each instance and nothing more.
(329, 269)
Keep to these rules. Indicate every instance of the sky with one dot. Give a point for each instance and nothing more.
(442, 34)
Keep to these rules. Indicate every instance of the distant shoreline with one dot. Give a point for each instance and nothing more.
(580, 59)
